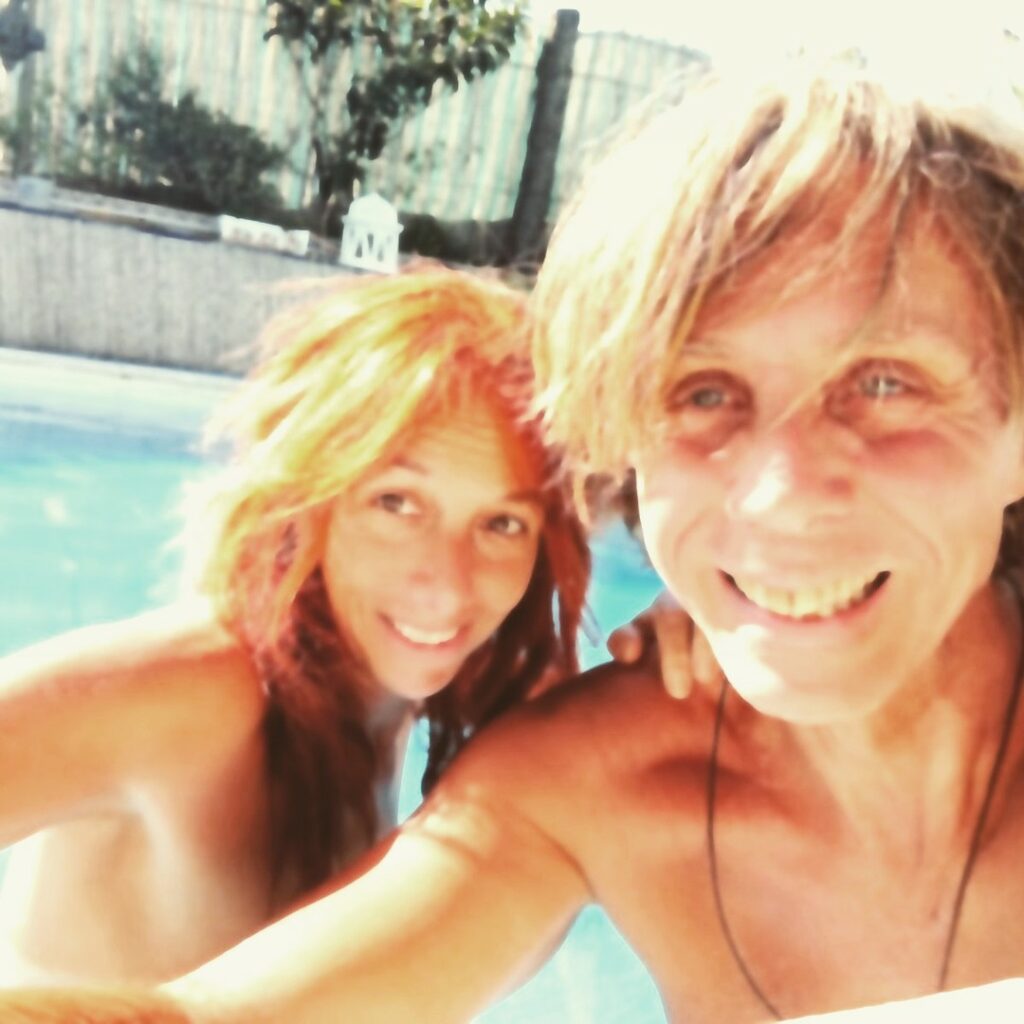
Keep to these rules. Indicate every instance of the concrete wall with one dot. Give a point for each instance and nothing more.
(92, 288)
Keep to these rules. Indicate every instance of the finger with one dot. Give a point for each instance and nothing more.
(706, 669)
(626, 644)
(673, 629)
(630, 642)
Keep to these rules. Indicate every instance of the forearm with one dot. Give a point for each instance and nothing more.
(450, 914)
(71, 1006)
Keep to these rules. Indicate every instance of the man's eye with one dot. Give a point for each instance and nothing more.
(880, 385)
(706, 391)
(707, 398)
(880, 394)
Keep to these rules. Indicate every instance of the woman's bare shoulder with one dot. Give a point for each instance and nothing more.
(186, 634)
(96, 718)
(160, 669)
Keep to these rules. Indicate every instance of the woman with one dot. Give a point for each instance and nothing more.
(389, 540)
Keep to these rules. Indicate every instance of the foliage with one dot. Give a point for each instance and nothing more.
(132, 142)
(402, 50)
(27, 131)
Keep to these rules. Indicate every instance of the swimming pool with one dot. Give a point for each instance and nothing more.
(92, 457)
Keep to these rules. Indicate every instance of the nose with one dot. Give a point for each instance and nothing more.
(441, 582)
(791, 476)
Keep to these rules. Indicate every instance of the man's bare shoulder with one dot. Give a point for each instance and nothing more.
(612, 707)
(612, 732)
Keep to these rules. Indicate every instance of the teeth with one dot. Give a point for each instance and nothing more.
(424, 636)
(818, 602)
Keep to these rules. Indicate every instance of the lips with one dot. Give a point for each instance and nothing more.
(436, 638)
(818, 602)
(431, 637)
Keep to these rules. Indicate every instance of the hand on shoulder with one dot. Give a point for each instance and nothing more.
(665, 640)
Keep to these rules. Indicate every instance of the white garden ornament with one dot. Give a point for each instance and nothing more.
(369, 238)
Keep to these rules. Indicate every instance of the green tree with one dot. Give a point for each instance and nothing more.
(132, 142)
(403, 50)
(179, 153)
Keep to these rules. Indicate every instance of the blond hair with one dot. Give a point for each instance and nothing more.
(738, 173)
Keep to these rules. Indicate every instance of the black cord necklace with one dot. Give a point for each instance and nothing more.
(965, 873)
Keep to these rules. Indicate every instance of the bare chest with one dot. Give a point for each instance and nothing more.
(783, 919)
(143, 895)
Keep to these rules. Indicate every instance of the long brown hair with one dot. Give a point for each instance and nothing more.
(344, 381)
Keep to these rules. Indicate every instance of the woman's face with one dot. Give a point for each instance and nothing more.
(431, 550)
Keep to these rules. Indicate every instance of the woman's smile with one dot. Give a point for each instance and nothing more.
(431, 638)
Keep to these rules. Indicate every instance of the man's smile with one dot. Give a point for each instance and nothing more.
(817, 602)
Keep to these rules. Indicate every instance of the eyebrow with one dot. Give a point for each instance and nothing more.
(531, 496)
(915, 339)
(401, 462)
(528, 496)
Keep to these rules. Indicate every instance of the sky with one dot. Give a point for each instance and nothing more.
(729, 29)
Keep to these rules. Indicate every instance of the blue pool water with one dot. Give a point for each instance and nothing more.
(92, 458)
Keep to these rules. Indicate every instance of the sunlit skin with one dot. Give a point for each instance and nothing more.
(834, 438)
(801, 323)
(851, 430)
(145, 862)
(427, 555)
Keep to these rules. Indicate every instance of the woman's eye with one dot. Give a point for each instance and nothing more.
(395, 502)
(881, 380)
(706, 409)
(506, 525)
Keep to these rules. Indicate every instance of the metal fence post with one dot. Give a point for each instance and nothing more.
(554, 76)
(24, 153)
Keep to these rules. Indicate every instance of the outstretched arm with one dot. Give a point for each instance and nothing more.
(57, 1006)
(434, 932)
(434, 925)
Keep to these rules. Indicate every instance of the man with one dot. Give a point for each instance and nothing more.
(798, 314)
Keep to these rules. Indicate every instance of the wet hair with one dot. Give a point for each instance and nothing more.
(784, 174)
(343, 383)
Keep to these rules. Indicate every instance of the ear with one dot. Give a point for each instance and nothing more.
(1015, 483)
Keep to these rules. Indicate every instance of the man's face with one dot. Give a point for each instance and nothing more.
(828, 495)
